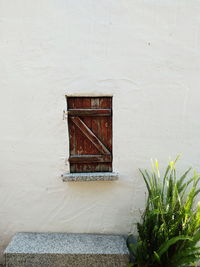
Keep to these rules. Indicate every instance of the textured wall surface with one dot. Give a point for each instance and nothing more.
(146, 53)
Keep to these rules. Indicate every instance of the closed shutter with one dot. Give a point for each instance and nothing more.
(90, 134)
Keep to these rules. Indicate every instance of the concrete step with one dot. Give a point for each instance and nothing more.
(66, 250)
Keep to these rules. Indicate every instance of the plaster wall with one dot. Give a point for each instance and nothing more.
(146, 53)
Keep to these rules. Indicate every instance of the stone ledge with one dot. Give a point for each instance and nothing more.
(91, 176)
(66, 250)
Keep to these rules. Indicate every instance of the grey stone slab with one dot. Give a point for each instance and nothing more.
(92, 176)
(67, 243)
(66, 250)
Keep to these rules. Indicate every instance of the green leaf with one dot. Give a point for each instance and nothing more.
(164, 247)
(180, 181)
(196, 238)
(147, 185)
(157, 257)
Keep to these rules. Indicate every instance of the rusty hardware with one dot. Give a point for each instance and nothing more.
(65, 114)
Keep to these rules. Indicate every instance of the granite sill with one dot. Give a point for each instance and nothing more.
(91, 176)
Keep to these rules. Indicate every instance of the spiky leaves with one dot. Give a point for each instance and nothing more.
(170, 225)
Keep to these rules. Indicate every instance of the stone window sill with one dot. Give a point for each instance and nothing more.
(91, 176)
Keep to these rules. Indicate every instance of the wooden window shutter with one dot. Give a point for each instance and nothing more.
(90, 134)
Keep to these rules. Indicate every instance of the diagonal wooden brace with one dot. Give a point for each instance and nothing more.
(90, 135)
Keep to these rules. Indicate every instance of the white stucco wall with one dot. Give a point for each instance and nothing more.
(144, 53)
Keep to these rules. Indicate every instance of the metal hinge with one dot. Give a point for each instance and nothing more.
(65, 114)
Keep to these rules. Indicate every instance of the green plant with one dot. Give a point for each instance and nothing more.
(170, 225)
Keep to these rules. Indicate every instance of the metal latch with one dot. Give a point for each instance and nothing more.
(65, 114)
